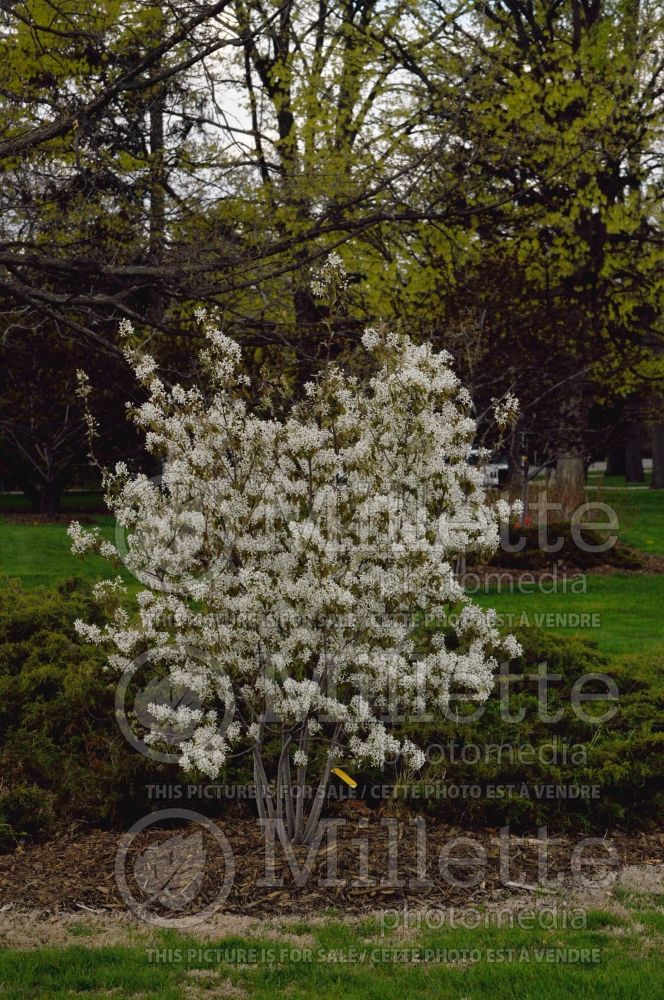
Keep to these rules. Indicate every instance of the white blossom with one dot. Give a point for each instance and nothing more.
(330, 277)
(295, 554)
(91, 633)
(505, 409)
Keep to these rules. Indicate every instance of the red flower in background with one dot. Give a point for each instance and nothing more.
(527, 521)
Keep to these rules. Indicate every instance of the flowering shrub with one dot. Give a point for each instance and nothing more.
(296, 554)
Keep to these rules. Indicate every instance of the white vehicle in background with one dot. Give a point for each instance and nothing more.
(496, 470)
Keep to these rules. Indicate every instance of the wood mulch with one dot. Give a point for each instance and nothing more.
(77, 871)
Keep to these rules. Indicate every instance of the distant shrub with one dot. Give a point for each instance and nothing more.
(531, 555)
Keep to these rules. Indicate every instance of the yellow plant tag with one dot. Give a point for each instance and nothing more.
(344, 777)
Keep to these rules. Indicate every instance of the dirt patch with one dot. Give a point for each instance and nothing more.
(642, 878)
(27, 929)
(225, 989)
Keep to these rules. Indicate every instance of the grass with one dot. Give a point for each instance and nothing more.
(40, 553)
(627, 610)
(640, 515)
(629, 606)
(617, 963)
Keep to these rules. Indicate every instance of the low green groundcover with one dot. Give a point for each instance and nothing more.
(63, 757)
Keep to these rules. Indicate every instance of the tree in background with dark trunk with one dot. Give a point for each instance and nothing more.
(561, 121)
(43, 437)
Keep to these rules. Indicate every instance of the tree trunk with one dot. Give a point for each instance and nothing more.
(633, 460)
(307, 326)
(570, 480)
(157, 235)
(657, 439)
(49, 498)
(572, 448)
(285, 803)
(615, 460)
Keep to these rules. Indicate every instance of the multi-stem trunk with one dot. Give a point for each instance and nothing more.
(285, 800)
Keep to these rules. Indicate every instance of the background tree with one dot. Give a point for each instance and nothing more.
(560, 117)
(500, 161)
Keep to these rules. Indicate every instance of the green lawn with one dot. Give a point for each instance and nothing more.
(628, 609)
(629, 605)
(611, 958)
(40, 553)
(640, 512)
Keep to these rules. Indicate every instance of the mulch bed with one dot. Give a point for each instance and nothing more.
(78, 870)
(87, 516)
(650, 564)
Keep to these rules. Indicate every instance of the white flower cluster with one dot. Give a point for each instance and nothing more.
(330, 278)
(83, 541)
(505, 409)
(301, 554)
